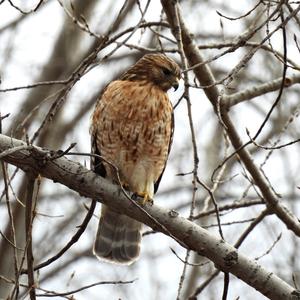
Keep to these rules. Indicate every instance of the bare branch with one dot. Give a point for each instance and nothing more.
(88, 184)
(56, 294)
(28, 231)
(256, 91)
(206, 78)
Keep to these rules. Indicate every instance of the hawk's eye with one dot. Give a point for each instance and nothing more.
(167, 72)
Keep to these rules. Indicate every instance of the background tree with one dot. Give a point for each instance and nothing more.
(233, 167)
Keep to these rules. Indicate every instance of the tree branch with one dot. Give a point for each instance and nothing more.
(262, 89)
(29, 211)
(88, 184)
(206, 78)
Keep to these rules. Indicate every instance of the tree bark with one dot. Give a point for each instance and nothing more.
(187, 233)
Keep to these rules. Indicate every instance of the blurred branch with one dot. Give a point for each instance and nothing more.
(248, 94)
(232, 206)
(29, 211)
(72, 241)
(77, 74)
(88, 184)
(48, 293)
(70, 293)
(250, 44)
(13, 23)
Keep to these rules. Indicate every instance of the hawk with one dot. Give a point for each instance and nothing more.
(132, 128)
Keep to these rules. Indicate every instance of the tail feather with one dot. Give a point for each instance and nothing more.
(118, 237)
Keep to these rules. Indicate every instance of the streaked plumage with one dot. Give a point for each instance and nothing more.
(132, 128)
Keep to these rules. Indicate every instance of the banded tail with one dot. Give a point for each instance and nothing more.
(118, 237)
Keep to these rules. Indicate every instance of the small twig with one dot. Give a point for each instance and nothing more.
(188, 263)
(271, 248)
(296, 42)
(60, 153)
(226, 286)
(278, 98)
(240, 42)
(28, 232)
(10, 242)
(48, 293)
(149, 232)
(271, 147)
(25, 12)
(242, 16)
(12, 226)
(229, 223)
(41, 83)
(295, 281)
(200, 288)
(178, 36)
(2, 118)
(237, 245)
(55, 294)
(11, 218)
(229, 207)
(255, 222)
(215, 205)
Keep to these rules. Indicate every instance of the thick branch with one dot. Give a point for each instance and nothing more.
(88, 184)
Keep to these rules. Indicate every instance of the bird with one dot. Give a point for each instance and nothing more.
(131, 132)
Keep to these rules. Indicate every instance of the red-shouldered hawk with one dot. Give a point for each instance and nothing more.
(132, 128)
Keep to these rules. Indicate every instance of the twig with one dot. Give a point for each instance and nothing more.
(271, 248)
(240, 42)
(188, 263)
(12, 227)
(41, 83)
(229, 223)
(71, 242)
(282, 80)
(28, 232)
(229, 207)
(253, 224)
(215, 205)
(9, 241)
(25, 12)
(237, 245)
(178, 37)
(55, 294)
(242, 16)
(271, 147)
(226, 286)
(200, 288)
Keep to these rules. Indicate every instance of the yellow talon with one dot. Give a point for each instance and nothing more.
(146, 198)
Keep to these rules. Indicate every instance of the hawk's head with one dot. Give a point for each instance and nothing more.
(156, 68)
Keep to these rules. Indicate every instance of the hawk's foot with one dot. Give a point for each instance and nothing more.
(142, 198)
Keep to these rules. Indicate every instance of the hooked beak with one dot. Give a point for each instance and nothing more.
(175, 84)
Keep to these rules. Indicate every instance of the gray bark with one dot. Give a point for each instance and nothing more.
(187, 233)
